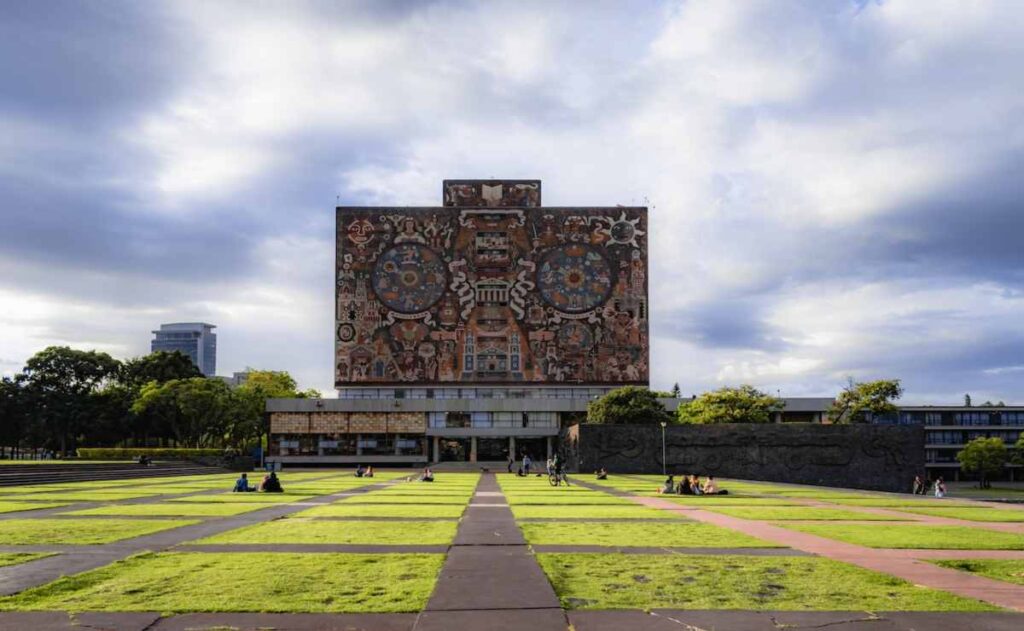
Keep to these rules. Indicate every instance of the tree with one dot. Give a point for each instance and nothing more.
(675, 391)
(161, 366)
(629, 405)
(198, 412)
(744, 404)
(60, 381)
(259, 386)
(987, 456)
(858, 400)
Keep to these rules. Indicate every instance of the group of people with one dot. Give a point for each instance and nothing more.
(921, 486)
(691, 485)
(364, 472)
(269, 484)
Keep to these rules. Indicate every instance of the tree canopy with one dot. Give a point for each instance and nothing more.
(859, 401)
(629, 405)
(986, 456)
(160, 366)
(744, 404)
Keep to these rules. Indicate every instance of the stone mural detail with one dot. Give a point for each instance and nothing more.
(857, 456)
(492, 193)
(491, 295)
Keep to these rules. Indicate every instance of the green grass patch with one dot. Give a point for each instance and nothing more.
(914, 536)
(625, 581)
(590, 512)
(181, 582)
(14, 507)
(245, 498)
(21, 532)
(374, 498)
(178, 508)
(971, 514)
(1007, 570)
(88, 496)
(784, 513)
(711, 502)
(571, 499)
(14, 558)
(384, 510)
(631, 534)
(897, 502)
(295, 530)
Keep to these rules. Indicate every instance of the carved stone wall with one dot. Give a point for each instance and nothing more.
(875, 457)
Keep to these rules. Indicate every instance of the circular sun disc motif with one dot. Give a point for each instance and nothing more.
(409, 278)
(574, 278)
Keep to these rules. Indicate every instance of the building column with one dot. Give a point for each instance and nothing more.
(398, 452)
(472, 448)
(512, 447)
(437, 449)
(359, 449)
(549, 448)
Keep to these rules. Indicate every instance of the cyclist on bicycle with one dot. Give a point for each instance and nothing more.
(559, 473)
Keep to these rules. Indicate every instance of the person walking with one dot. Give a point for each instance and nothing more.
(511, 462)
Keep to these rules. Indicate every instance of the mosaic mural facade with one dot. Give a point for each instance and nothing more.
(491, 295)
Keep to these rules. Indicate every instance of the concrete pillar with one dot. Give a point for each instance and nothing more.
(472, 448)
(549, 448)
(397, 450)
(437, 449)
(359, 448)
(512, 447)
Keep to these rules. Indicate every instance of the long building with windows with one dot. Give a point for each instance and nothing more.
(473, 330)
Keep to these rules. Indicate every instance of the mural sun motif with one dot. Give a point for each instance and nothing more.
(409, 278)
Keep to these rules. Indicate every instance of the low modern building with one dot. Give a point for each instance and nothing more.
(195, 339)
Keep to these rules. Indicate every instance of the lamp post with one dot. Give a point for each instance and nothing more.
(664, 465)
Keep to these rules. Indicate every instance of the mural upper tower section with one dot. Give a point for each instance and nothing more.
(491, 288)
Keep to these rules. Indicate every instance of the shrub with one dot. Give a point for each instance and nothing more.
(156, 453)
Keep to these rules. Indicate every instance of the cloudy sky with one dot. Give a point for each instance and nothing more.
(835, 186)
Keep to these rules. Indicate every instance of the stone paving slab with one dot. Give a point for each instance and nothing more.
(586, 549)
(61, 621)
(500, 620)
(287, 622)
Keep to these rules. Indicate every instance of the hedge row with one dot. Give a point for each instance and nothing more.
(156, 453)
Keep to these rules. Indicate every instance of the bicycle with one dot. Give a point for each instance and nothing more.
(555, 478)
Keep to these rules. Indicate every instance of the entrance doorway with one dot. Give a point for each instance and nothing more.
(536, 448)
(454, 449)
(491, 449)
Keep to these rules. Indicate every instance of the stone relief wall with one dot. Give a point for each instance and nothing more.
(347, 423)
(875, 457)
(491, 295)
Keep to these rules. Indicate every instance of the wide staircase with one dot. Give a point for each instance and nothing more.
(15, 474)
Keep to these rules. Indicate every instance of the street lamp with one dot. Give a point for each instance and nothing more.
(664, 465)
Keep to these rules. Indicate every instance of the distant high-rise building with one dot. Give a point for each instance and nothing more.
(195, 339)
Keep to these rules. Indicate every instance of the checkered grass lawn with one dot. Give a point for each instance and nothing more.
(803, 513)
(971, 514)
(340, 532)
(14, 558)
(244, 498)
(449, 511)
(13, 507)
(220, 509)
(180, 582)
(626, 581)
(625, 534)
(394, 498)
(589, 512)
(80, 531)
(915, 536)
(87, 496)
(1008, 570)
(567, 499)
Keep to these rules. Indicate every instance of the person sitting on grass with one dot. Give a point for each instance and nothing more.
(711, 487)
(669, 487)
(940, 488)
(920, 488)
(242, 485)
(684, 486)
(602, 474)
(428, 475)
(520, 473)
(696, 486)
(368, 473)
(360, 471)
(271, 484)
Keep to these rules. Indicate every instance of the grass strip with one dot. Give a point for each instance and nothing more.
(14, 507)
(14, 558)
(383, 510)
(971, 514)
(178, 508)
(624, 581)
(80, 531)
(785, 513)
(914, 536)
(296, 530)
(1006, 570)
(590, 512)
(183, 582)
(684, 535)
